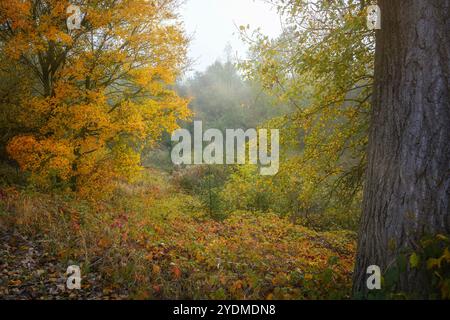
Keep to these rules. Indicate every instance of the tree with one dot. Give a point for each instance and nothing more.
(222, 99)
(407, 188)
(322, 66)
(95, 95)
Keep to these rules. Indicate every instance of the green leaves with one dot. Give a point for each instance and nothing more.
(414, 260)
(322, 67)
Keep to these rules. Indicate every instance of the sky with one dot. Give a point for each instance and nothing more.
(213, 24)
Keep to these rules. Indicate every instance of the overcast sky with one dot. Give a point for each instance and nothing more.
(214, 23)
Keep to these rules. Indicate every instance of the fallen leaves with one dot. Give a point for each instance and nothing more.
(26, 272)
(15, 282)
(176, 272)
(156, 269)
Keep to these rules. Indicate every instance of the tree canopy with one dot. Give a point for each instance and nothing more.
(90, 98)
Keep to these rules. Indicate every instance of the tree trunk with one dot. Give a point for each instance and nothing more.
(407, 190)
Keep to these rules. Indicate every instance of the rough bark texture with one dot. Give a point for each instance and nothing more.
(407, 191)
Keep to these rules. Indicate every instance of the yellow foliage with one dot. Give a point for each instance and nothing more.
(101, 93)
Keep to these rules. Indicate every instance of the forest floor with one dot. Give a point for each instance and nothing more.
(28, 272)
(151, 241)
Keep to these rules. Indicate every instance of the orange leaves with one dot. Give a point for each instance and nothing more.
(42, 157)
(156, 270)
(259, 256)
(246, 256)
(17, 11)
(15, 283)
(237, 285)
(104, 243)
(176, 272)
(100, 95)
(156, 288)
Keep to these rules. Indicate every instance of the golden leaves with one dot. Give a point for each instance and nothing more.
(42, 156)
(156, 270)
(15, 283)
(101, 93)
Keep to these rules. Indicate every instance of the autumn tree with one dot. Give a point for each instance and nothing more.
(92, 97)
(407, 192)
(322, 66)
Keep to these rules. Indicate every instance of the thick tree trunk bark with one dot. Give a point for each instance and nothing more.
(407, 191)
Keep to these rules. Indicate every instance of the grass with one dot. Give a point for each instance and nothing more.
(158, 243)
